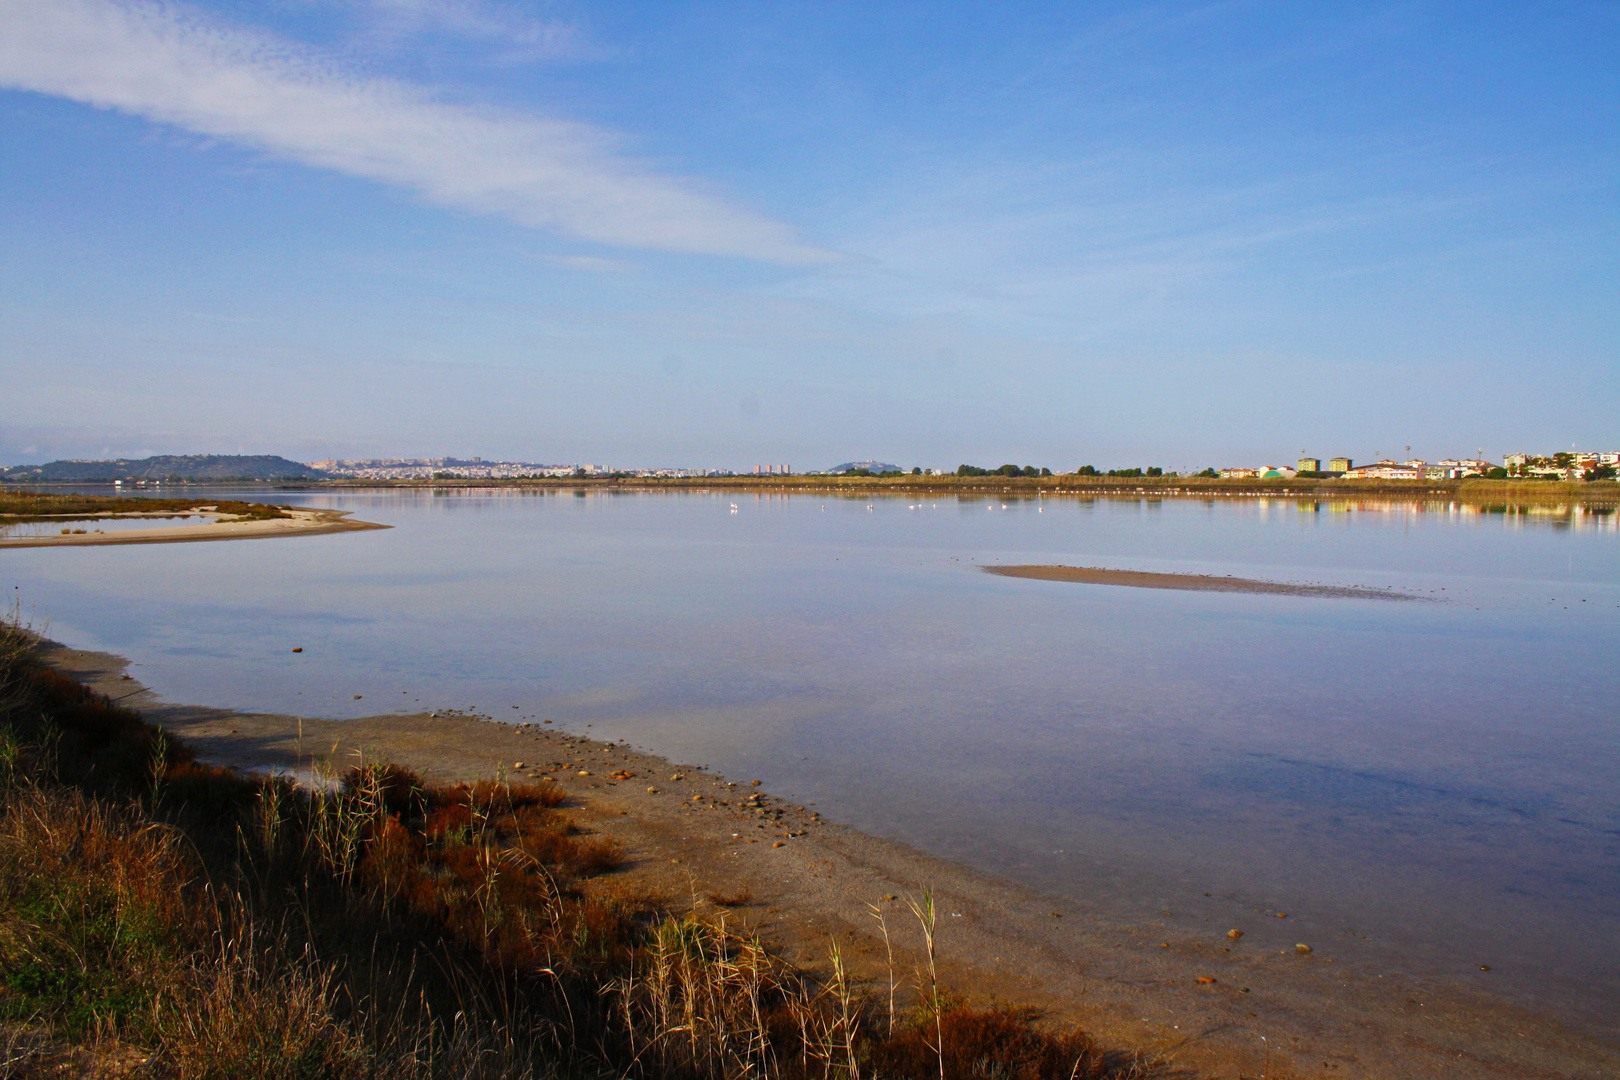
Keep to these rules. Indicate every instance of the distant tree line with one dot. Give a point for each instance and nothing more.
(1091, 470)
(1005, 470)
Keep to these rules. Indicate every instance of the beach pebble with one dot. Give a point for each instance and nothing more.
(1302, 949)
(1484, 967)
(1205, 980)
(295, 650)
(652, 791)
(779, 843)
(357, 697)
(1234, 934)
(519, 765)
(756, 783)
(584, 772)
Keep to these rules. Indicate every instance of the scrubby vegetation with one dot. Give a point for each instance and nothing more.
(31, 506)
(162, 914)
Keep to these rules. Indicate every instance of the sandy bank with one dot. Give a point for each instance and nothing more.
(303, 522)
(1094, 575)
(697, 837)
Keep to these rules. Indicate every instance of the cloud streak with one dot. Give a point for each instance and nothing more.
(522, 38)
(168, 65)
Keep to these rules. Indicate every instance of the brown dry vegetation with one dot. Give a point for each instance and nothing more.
(168, 918)
(1471, 491)
(31, 506)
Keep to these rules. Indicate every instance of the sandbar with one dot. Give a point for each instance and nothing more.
(698, 838)
(303, 521)
(1141, 579)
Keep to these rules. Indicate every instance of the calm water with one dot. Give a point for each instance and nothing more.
(1423, 787)
(95, 525)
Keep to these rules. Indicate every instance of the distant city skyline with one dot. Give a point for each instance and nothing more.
(1122, 234)
(1522, 463)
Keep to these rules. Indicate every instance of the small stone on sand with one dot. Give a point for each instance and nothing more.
(300, 649)
(1205, 980)
(779, 843)
(1234, 934)
(1302, 949)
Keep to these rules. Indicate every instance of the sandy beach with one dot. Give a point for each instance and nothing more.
(302, 522)
(1207, 1003)
(1138, 579)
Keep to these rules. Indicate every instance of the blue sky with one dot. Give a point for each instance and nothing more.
(718, 234)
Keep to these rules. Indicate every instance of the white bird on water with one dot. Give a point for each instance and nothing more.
(733, 508)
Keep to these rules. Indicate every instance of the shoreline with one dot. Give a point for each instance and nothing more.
(802, 881)
(1142, 579)
(304, 521)
(1472, 491)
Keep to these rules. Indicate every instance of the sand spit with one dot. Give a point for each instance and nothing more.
(1209, 1005)
(303, 522)
(1096, 575)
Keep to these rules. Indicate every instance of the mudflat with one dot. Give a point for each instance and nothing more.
(1205, 1004)
(301, 522)
(1139, 579)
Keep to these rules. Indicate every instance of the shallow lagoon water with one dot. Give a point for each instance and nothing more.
(95, 525)
(1422, 787)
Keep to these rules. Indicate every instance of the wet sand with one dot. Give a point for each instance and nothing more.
(1096, 575)
(303, 522)
(694, 836)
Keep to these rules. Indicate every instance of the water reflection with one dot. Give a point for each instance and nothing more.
(1426, 775)
(91, 526)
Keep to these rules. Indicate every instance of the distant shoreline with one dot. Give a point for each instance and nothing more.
(1471, 491)
(301, 521)
(1096, 575)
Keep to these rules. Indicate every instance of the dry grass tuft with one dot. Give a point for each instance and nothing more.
(192, 922)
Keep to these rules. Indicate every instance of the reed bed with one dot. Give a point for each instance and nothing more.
(31, 506)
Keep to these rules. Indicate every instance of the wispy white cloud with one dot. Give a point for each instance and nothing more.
(168, 64)
(518, 36)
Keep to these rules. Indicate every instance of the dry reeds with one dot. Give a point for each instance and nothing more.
(375, 925)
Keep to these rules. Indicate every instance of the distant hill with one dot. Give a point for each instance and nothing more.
(217, 467)
(875, 466)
